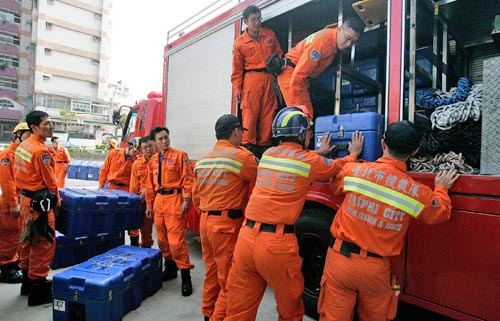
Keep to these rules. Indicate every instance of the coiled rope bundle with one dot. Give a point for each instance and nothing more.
(447, 116)
(442, 161)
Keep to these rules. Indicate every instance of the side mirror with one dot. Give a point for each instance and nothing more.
(116, 117)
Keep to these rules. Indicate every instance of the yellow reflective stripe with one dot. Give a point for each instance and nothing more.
(383, 194)
(24, 154)
(287, 118)
(285, 165)
(310, 38)
(220, 162)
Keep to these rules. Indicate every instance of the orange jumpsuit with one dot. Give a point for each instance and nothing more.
(116, 171)
(62, 159)
(222, 178)
(381, 198)
(311, 57)
(170, 223)
(258, 102)
(10, 226)
(33, 171)
(267, 251)
(138, 183)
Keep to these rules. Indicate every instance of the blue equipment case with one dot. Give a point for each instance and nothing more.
(86, 212)
(73, 169)
(341, 128)
(129, 213)
(152, 265)
(102, 288)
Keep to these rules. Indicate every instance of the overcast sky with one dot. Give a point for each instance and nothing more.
(138, 36)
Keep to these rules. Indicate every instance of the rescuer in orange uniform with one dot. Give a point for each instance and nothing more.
(62, 159)
(10, 208)
(220, 195)
(34, 174)
(251, 82)
(138, 184)
(112, 143)
(310, 57)
(267, 251)
(169, 188)
(116, 171)
(370, 226)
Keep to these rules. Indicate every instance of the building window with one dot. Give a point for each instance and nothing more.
(48, 25)
(9, 39)
(95, 62)
(96, 38)
(93, 84)
(80, 107)
(6, 61)
(47, 76)
(8, 83)
(98, 16)
(6, 16)
(50, 1)
(48, 51)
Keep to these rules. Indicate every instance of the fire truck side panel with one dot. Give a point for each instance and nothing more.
(199, 91)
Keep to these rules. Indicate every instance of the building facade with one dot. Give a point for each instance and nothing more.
(56, 56)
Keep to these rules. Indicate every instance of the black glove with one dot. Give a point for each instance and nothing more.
(43, 228)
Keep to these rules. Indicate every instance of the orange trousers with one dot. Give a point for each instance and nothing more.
(146, 230)
(297, 96)
(262, 258)
(36, 257)
(347, 280)
(61, 172)
(10, 229)
(258, 107)
(170, 224)
(125, 189)
(218, 238)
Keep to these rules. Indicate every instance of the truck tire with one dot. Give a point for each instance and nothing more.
(313, 234)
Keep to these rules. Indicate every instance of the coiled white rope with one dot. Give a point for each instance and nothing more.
(443, 161)
(445, 117)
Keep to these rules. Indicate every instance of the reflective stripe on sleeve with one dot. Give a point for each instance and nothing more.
(23, 154)
(220, 162)
(383, 194)
(285, 165)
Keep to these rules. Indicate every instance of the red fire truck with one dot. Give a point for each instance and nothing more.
(452, 268)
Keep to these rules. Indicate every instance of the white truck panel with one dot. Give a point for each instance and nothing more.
(199, 91)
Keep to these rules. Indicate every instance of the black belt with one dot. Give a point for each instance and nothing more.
(264, 227)
(347, 248)
(289, 63)
(167, 191)
(30, 194)
(256, 70)
(234, 214)
(61, 162)
(118, 184)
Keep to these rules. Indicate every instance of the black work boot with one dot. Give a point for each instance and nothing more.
(41, 292)
(10, 274)
(186, 285)
(134, 241)
(26, 285)
(170, 271)
(206, 318)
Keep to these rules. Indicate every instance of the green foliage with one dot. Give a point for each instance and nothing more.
(100, 146)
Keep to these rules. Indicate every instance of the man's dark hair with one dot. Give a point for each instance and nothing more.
(53, 139)
(35, 118)
(226, 135)
(157, 130)
(355, 24)
(249, 10)
(145, 139)
(402, 138)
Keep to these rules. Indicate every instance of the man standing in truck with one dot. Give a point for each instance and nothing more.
(168, 198)
(222, 179)
(311, 57)
(267, 251)
(370, 226)
(251, 82)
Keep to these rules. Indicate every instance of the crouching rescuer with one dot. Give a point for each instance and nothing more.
(35, 176)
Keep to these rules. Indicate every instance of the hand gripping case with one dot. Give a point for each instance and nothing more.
(341, 128)
(85, 212)
(99, 289)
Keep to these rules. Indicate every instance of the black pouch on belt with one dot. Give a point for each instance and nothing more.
(234, 214)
